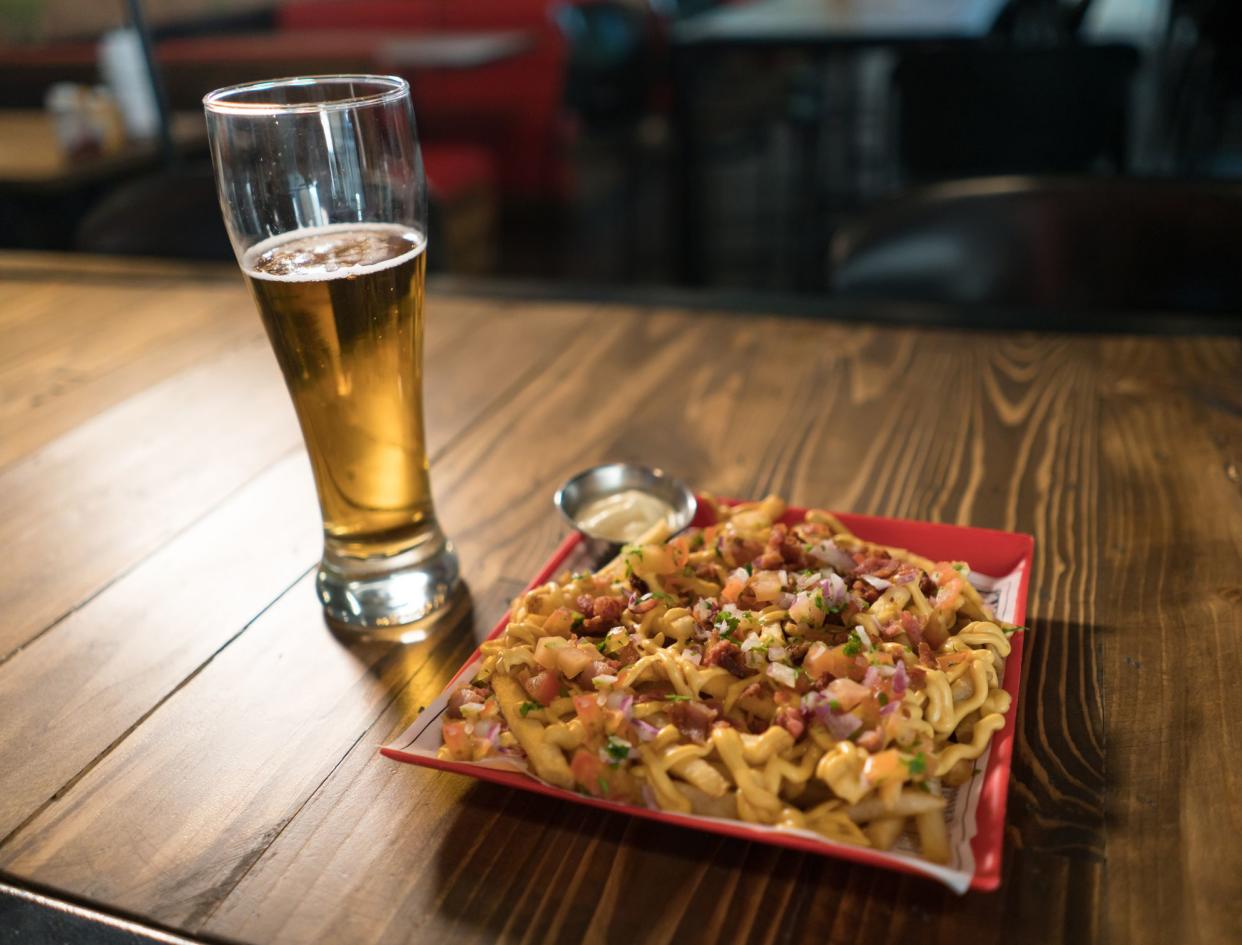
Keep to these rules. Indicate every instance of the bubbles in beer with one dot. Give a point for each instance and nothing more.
(332, 252)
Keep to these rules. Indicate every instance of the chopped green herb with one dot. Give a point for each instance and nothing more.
(676, 698)
(749, 568)
(819, 600)
(915, 765)
(636, 552)
(959, 568)
(629, 572)
(618, 749)
(834, 705)
(662, 596)
(688, 571)
(564, 691)
(854, 646)
(603, 784)
(882, 698)
(527, 707)
(923, 786)
(600, 645)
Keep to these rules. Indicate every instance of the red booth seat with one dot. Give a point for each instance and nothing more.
(510, 108)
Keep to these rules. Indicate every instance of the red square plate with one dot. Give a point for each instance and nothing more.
(995, 557)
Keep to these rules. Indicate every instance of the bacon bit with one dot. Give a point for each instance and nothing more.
(790, 718)
(739, 551)
(926, 657)
(864, 590)
(462, 696)
(878, 566)
(872, 740)
(693, 719)
(727, 656)
(893, 629)
(708, 571)
(951, 659)
(653, 692)
(640, 605)
(627, 655)
(605, 614)
(918, 677)
(753, 691)
(912, 624)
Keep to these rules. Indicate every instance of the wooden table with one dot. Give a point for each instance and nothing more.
(183, 743)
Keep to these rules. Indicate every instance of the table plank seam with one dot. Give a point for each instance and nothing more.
(232, 493)
(255, 855)
(181, 684)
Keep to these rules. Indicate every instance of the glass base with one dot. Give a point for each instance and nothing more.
(401, 597)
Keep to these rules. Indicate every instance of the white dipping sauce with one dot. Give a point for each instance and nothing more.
(623, 516)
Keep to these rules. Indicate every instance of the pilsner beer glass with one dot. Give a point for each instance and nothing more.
(322, 188)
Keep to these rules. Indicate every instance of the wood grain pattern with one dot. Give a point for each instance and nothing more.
(219, 771)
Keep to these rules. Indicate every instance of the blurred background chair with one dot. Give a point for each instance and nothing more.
(980, 110)
(1083, 243)
(173, 213)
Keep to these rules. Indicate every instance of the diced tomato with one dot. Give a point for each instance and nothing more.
(847, 692)
(823, 660)
(589, 710)
(766, 585)
(884, 766)
(559, 622)
(868, 710)
(458, 740)
(544, 687)
(572, 660)
(733, 590)
(547, 650)
(948, 660)
(679, 549)
(590, 771)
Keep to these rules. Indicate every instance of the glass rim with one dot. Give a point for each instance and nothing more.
(388, 88)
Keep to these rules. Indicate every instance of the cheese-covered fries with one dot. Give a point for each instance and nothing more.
(792, 675)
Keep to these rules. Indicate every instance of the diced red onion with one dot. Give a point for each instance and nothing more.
(752, 642)
(776, 653)
(862, 635)
(739, 574)
(785, 601)
(901, 679)
(877, 582)
(872, 677)
(905, 577)
(785, 675)
(694, 656)
(839, 560)
(620, 701)
(646, 731)
(835, 591)
(840, 725)
(890, 708)
(488, 729)
(812, 700)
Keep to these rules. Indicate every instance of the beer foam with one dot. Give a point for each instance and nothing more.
(336, 251)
